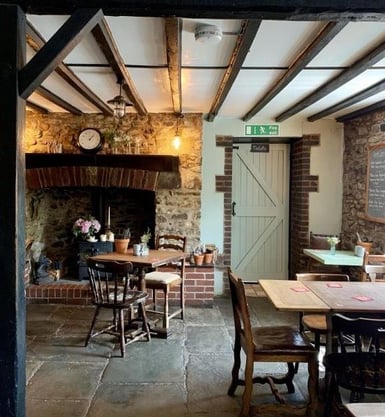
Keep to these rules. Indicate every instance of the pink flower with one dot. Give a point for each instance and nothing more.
(86, 227)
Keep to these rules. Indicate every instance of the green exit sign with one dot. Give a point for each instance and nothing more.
(261, 130)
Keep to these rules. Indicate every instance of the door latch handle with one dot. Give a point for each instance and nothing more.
(233, 208)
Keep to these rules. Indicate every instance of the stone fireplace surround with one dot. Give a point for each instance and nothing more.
(84, 173)
(177, 204)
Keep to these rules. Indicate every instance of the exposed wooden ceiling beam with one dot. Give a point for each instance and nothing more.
(173, 28)
(361, 65)
(380, 105)
(356, 98)
(347, 11)
(36, 42)
(48, 95)
(36, 107)
(107, 44)
(56, 49)
(249, 29)
(328, 32)
(328, 10)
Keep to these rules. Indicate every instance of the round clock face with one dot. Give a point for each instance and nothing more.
(90, 140)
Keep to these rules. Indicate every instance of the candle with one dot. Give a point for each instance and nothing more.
(108, 217)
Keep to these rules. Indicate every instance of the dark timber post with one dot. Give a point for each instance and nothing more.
(12, 235)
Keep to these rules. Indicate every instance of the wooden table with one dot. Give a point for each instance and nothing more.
(349, 297)
(328, 297)
(366, 409)
(292, 296)
(341, 257)
(154, 259)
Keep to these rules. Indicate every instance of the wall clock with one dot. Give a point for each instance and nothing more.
(90, 140)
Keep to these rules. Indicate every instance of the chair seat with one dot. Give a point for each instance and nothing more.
(159, 277)
(315, 322)
(279, 338)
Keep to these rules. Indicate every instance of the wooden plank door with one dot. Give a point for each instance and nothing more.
(260, 188)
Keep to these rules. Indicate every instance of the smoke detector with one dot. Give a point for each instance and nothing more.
(208, 34)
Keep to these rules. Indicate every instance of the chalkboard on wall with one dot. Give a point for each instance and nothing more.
(375, 187)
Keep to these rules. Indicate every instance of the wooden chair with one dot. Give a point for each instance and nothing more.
(110, 286)
(319, 241)
(373, 268)
(166, 278)
(316, 323)
(361, 370)
(268, 344)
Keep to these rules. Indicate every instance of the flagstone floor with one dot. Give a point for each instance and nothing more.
(186, 375)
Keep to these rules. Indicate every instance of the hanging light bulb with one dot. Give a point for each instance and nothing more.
(119, 103)
(176, 142)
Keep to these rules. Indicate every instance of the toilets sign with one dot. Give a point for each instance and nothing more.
(261, 130)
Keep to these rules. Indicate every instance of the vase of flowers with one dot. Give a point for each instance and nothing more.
(144, 240)
(85, 228)
(333, 241)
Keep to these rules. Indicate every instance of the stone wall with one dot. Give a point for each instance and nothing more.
(51, 213)
(359, 135)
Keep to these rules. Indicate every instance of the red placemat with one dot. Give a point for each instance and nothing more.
(334, 285)
(362, 298)
(299, 289)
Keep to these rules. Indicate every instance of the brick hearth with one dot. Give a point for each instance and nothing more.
(199, 290)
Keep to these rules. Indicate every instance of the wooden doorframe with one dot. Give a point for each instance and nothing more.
(301, 184)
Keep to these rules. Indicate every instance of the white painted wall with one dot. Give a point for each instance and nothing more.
(326, 162)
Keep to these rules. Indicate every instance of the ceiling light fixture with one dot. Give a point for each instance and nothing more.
(208, 34)
(119, 103)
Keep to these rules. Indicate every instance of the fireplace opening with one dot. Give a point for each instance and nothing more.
(130, 208)
(51, 213)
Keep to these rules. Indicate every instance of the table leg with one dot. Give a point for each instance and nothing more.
(141, 282)
(329, 333)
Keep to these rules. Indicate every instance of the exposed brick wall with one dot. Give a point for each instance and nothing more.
(199, 290)
(301, 184)
(224, 185)
(88, 176)
(199, 286)
(59, 293)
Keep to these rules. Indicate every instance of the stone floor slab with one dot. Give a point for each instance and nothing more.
(65, 381)
(158, 361)
(56, 408)
(144, 400)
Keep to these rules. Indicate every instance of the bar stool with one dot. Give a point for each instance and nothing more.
(168, 277)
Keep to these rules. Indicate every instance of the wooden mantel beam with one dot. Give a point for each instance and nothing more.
(160, 163)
